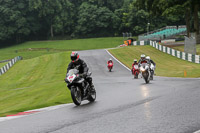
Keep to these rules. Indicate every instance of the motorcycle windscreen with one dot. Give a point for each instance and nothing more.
(73, 71)
(136, 66)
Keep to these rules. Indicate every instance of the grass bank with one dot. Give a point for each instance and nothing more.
(3, 64)
(181, 48)
(34, 83)
(166, 65)
(33, 49)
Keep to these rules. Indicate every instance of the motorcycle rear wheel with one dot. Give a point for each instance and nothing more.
(76, 95)
(151, 77)
(92, 96)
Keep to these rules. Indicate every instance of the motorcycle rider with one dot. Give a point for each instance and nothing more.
(110, 61)
(78, 63)
(134, 63)
(151, 61)
(152, 65)
(143, 60)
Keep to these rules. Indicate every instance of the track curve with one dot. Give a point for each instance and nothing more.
(123, 104)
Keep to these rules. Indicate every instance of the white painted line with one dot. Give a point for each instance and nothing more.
(50, 108)
(197, 131)
(9, 118)
(41, 110)
(117, 60)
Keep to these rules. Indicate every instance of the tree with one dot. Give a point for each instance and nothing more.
(14, 22)
(93, 20)
(138, 20)
(56, 14)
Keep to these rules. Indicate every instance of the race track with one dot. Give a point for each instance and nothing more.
(123, 105)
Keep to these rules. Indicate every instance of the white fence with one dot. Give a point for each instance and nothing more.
(5, 68)
(181, 55)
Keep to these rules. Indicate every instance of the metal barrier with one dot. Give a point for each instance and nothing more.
(181, 55)
(5, 68)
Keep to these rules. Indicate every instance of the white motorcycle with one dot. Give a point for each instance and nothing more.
(152, 69)
(80, 89)
(145, 71)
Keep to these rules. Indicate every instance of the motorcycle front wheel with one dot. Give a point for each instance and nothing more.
(146, 80)
(76, 95)
(146, 75)
(136, 75)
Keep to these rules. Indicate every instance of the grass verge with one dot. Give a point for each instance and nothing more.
(181, 48)
(33, 49)
(166, 65)
(3, 64)
(35, 83)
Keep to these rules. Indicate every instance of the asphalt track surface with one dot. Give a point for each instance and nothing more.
(123, 105)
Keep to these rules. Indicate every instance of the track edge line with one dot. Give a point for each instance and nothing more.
(118, 60)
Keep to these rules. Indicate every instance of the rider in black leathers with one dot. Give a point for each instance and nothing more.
(79, 64)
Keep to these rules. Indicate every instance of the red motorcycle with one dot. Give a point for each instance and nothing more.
(110, 66)
(135, 71)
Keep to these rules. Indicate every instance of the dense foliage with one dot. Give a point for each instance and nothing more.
(22, 20)
(187, 9)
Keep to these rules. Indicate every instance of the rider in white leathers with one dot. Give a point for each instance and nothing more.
(152, 66)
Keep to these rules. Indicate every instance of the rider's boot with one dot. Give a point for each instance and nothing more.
(92, 87)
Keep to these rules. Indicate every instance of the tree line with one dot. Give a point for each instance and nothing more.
(22, 20)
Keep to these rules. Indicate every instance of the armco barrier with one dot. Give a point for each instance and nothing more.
(5, 68)
(181, 55)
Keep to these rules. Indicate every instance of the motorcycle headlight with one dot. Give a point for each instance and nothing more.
(142, 69)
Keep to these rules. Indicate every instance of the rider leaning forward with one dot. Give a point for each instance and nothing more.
(78, 63)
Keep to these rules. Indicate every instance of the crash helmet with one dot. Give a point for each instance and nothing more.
(110, 59)
(135, 60)
(74, 56)
(142, 56)
(148, 58)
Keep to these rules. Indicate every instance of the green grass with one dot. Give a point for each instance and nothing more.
(166, 65)
(35, 83)
(39, 47)
(3, 64)
(181, 48)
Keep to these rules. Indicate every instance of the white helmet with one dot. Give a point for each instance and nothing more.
(110, 59)
(142, 56)
(135, 60)
(148, 58)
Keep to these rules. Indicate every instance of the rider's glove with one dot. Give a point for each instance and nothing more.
(81, 75)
